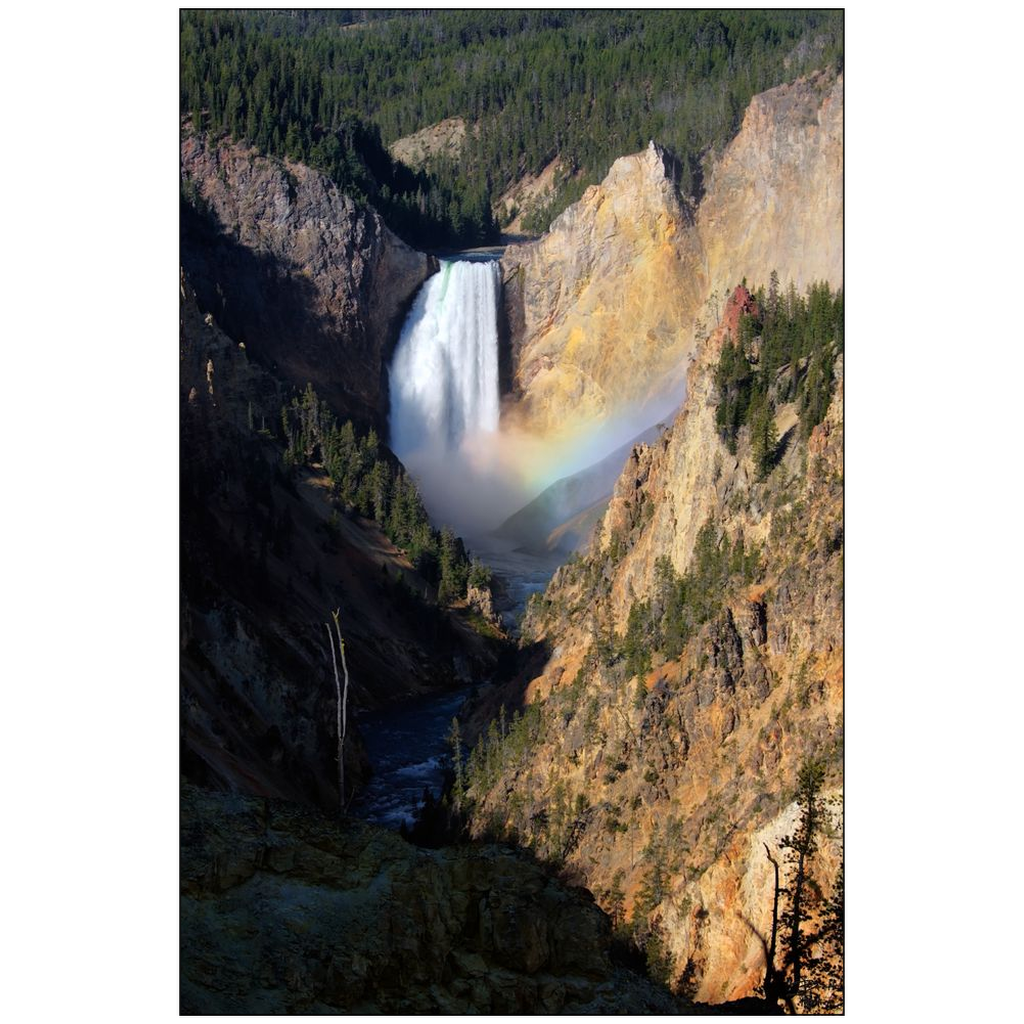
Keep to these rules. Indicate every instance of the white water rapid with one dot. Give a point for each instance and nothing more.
(444, 377)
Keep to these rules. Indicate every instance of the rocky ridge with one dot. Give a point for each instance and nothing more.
(605, 310)
(313, 284)
(286, 911)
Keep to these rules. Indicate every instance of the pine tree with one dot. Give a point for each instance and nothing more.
(815, 980)
(764, 438)
(773, 295)
(824, 982)
(459, 787)
(454, 568)
(802, 845)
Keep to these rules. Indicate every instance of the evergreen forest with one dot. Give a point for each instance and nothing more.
(334, 88)
(785, 352)
(368, 480)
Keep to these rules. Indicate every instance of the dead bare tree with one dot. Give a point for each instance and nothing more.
(773, 989)
(342, 701)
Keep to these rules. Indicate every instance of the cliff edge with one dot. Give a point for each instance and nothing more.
(312, 283)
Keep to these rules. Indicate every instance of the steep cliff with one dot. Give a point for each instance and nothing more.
(605, 310)
(654, 765)
(600, 308)
(774, 200)
(313, 284)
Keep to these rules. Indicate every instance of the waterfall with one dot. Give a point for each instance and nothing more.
(444, 376)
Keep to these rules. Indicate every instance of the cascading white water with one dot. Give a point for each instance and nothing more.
(445, 410)
(444, 376)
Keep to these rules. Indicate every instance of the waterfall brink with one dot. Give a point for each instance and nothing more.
(444, 377)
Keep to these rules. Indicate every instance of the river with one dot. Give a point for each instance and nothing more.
(407, 744)
(444, 423)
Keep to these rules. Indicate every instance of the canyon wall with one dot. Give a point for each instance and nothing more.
(605, 310)
(313, 284)
(774, 200)
(600, 308)
(659, 792)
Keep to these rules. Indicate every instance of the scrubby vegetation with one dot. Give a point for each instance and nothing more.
(679, 605)
(367, 479)
(333, 88)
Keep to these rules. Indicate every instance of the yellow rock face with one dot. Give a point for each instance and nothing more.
(707, 747)
(605, 299)
(775, 199)
(604, 310)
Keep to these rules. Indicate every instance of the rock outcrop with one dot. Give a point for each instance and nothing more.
(605, 310)
(444, 139)
(285, 911)
(313, 284)
(481, 601)
(600, 308)
(659, 792)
